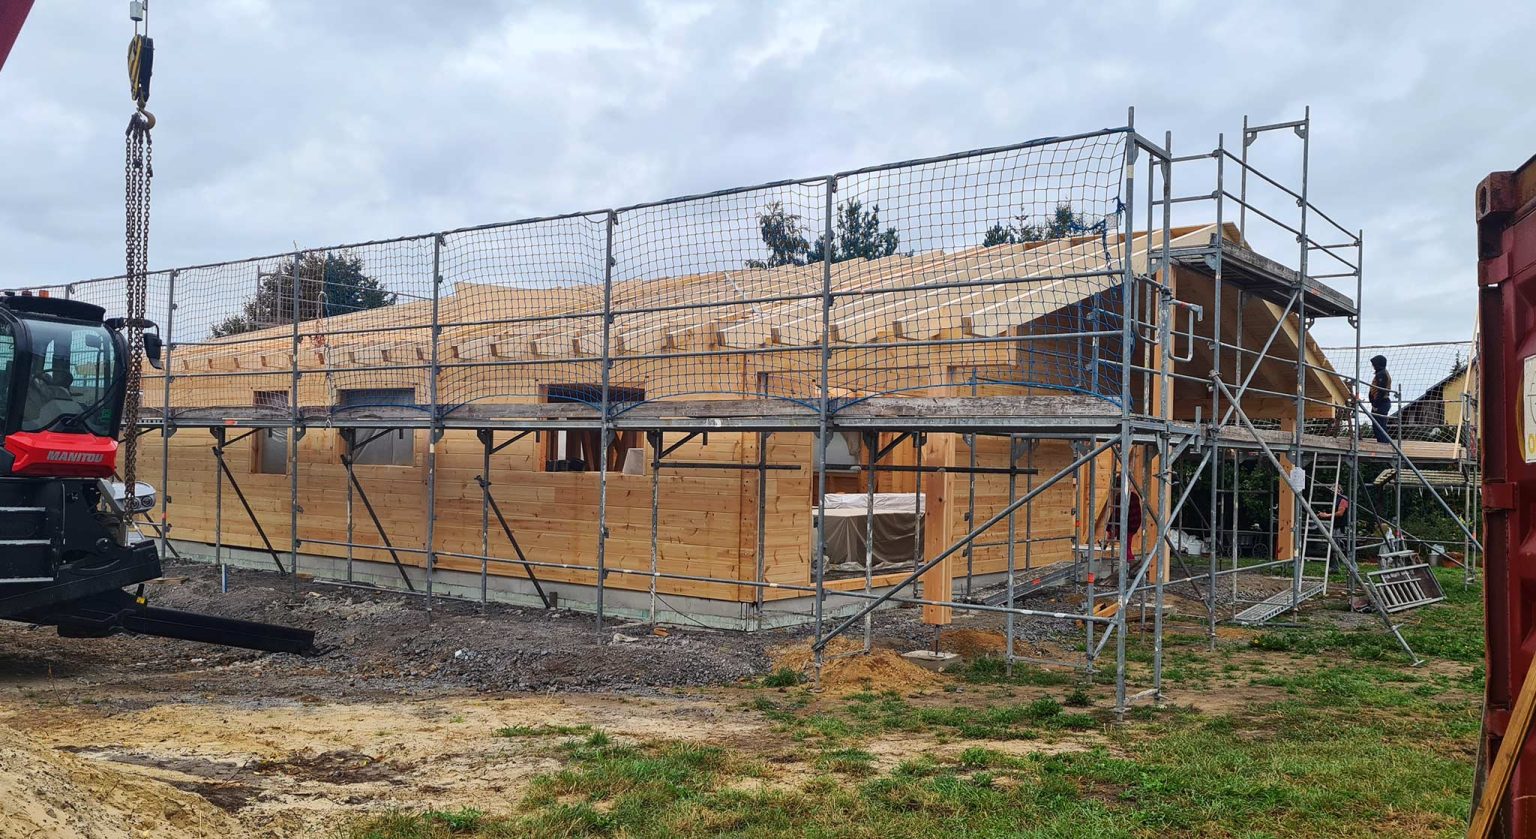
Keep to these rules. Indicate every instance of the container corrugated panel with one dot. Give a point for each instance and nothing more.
(1506, 220)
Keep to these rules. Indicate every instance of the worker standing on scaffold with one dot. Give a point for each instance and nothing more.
(1380, 396)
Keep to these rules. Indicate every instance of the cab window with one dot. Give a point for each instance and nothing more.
(70, 378)
(7, 364)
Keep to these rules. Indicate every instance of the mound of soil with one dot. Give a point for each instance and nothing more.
(846, 669)
(44, 792)
(971, 644)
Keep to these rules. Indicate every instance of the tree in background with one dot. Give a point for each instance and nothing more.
(1061, 224)
(857, 235)
(784, 234)
(997, 234)
(333, 284)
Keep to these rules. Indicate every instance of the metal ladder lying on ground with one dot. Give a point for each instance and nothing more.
(1029, 581)
(1316, 546)
(1402, 582)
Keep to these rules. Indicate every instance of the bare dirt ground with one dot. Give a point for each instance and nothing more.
(131, 736)
(127, 737)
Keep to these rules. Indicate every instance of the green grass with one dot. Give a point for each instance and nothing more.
(1287, 771)
(1334, 736)
(849, 761)
(542, 730)
(1451, 630)
(465, 820)
(989, 670)
(784, 677)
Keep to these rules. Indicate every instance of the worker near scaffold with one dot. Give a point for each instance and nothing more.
(1340, 506)
(1108, 523)
(1380, 396)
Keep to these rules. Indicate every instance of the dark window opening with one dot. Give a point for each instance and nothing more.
(271, 444)
(580, 451)
(379, 446)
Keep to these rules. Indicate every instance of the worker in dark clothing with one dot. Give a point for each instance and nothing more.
(1109, 519)
(1340, 506)
(1380, 397)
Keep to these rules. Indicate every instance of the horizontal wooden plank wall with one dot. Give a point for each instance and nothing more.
(1050, 513)
(707, 518)
(553, 515)
(788, 517)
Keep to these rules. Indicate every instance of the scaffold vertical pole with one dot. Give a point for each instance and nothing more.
(760, 552)
(1242, 176)
(823, 406)
(605, 420)
(167, 425)
(1237, 374)
(655, 438)
(1121, 494)
(1008, 581)
(218, 511)
(1299, 539)
(435, 426)
(1090, 553)
(1217, 265)
(349, 439)
(871, 442)
(970, 501)
(1164, 468)
(487, 446)
(1352, 515)
(296, 284)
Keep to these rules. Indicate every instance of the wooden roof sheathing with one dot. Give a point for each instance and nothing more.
(927, 296)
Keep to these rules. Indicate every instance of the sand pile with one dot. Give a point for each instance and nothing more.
(849, 671)
(44, 792)
(971, 644)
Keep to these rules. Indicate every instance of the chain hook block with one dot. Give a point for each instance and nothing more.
(141, 66)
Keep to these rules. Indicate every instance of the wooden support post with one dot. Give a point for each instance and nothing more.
(1087, 511)
(938, 534)
(1497, 782)
(1285, 515)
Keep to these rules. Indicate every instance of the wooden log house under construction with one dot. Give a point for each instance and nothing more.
(922, 383)
(711, 524)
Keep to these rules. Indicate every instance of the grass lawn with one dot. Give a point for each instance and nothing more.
(1287, 733)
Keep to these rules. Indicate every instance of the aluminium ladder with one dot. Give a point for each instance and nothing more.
(1402, 582)
(1317, 546)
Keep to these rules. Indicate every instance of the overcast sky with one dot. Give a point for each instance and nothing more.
(344, 120)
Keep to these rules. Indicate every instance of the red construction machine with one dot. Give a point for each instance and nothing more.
(68, 549)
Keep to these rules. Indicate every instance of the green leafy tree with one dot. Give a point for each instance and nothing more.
(333, 284)
(1257, 484)
(997, 234)
(857, 235)
(1064, 222)
(784, 234)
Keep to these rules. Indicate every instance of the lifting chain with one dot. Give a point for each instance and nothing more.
(138, 170)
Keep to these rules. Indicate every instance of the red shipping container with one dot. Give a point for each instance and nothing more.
(1506, 276)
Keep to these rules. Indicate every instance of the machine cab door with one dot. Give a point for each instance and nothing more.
(61, 389)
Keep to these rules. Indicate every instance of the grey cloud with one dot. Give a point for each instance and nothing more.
(348, 120)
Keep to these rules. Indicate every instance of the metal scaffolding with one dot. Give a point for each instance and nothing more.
(1065, 326)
